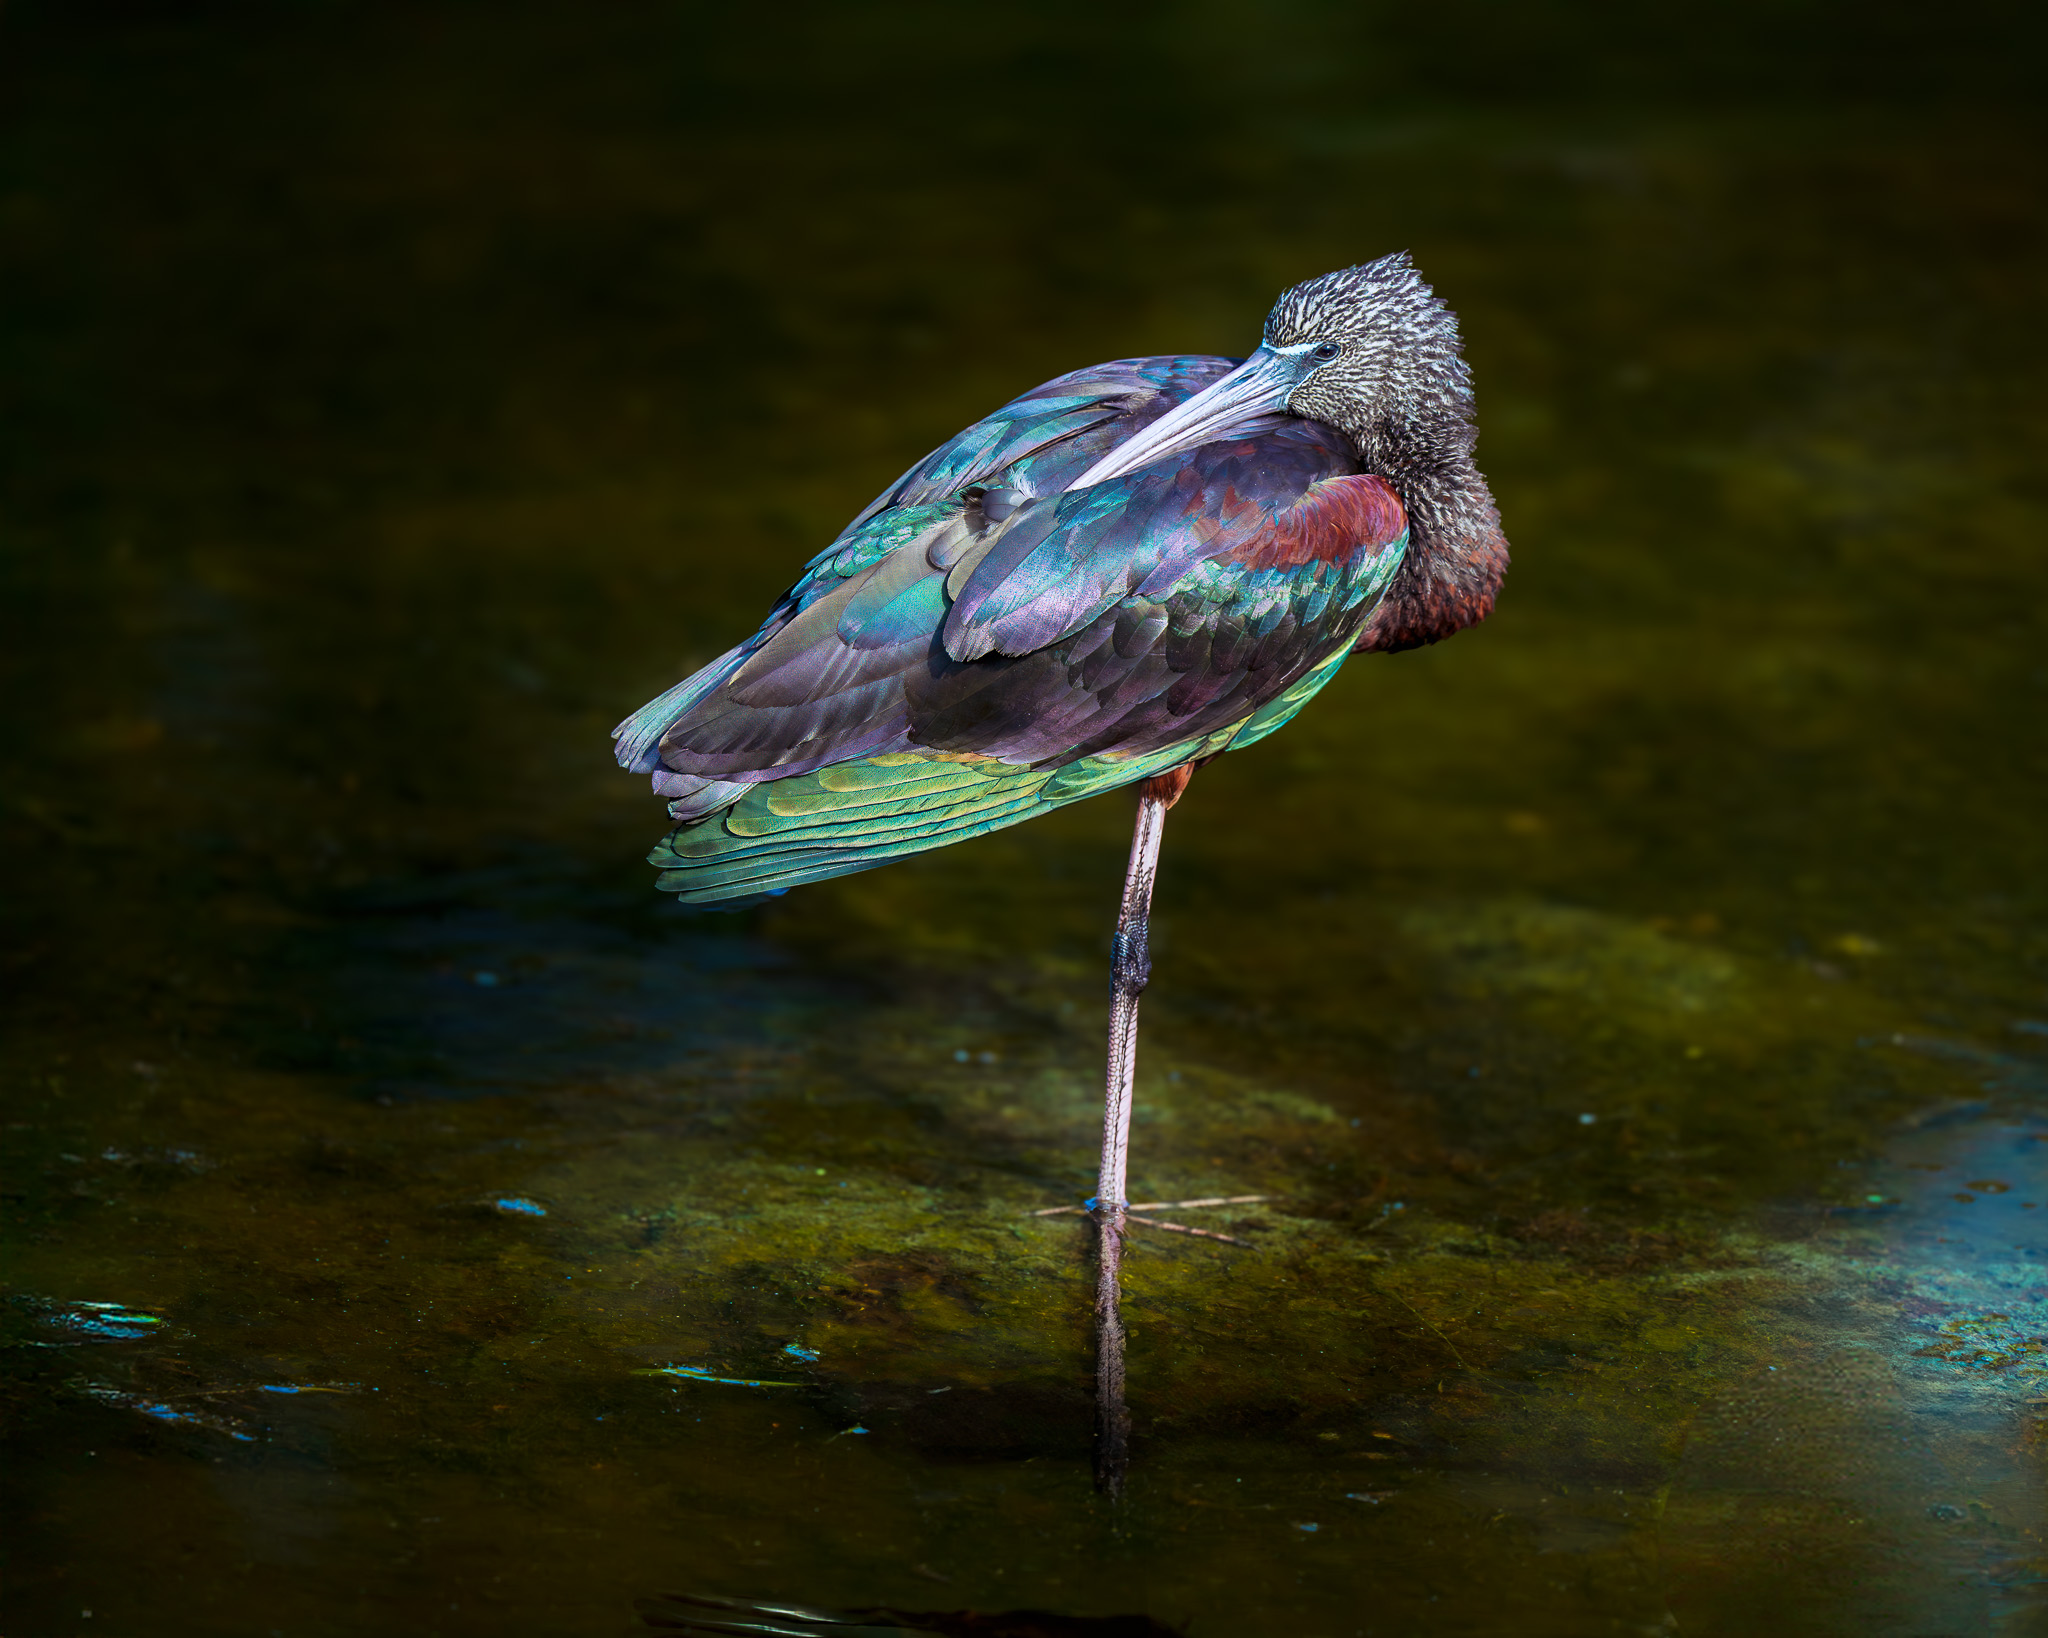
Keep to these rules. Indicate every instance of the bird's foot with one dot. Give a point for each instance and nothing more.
(1135, 1214)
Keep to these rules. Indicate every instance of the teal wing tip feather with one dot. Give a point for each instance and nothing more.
(728, 907)
(859, 815)
(870, 811)
(848, 817)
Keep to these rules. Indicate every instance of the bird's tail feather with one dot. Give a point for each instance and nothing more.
(634, 741)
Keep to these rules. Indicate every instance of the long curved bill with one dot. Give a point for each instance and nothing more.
(1258, 386)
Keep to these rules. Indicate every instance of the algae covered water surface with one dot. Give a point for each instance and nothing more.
(1634, 1011)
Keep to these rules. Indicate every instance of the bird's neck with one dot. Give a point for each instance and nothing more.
(1456, 552)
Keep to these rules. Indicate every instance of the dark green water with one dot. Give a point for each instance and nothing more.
(1637, 1008)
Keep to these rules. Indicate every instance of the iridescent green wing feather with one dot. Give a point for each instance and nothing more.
(957, 664)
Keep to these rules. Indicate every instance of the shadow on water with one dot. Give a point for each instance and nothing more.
(1632, 1016)
(524, 976)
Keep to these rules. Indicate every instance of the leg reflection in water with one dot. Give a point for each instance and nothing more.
(702, 1617)
(1112, 1415)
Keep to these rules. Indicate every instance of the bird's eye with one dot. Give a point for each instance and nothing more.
(1323, 353)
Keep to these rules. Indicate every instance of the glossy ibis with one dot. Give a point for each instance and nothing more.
(1108, 581)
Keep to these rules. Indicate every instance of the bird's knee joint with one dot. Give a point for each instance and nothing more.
(1130, 963)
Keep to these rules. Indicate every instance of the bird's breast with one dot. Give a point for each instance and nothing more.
(1335, 520)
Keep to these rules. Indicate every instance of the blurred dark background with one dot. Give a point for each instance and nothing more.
(462, 373)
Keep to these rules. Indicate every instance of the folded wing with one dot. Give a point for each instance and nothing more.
(964, 657)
